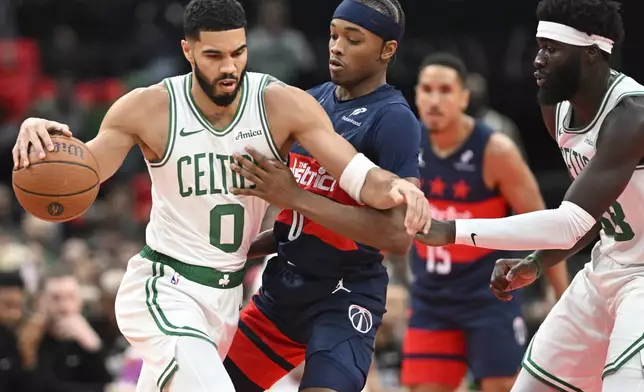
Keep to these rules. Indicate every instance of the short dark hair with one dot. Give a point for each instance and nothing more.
(599, 17)
(212, 15)
(57, 271)
(390, 8)
(448, 60)
(11, 279)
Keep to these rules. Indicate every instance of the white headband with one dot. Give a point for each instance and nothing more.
(571, 36)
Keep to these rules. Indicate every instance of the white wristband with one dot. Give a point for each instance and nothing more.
(355, 174)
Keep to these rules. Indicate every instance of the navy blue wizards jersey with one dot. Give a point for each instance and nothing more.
(455, 188)
(380, 125)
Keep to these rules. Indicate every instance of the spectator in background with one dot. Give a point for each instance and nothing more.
(276, 48)
(63, 107)
(480, 109)
(13, 374)
(63, 52)
(70, 356)
(7, 21)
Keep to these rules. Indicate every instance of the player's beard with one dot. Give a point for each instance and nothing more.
(561, 84)
(209, 88)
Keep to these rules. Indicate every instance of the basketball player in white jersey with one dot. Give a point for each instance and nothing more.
(179, 301)
(593, 338)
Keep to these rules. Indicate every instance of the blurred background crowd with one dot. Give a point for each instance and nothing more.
(68, 60)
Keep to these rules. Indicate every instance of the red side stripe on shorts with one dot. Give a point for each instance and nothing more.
(418, 371)
(293, 352)
(255, 365)
(420, 341)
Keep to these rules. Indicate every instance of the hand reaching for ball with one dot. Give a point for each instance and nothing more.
(36, 132)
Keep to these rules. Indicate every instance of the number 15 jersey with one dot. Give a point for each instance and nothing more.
(455, 188)
(622, 225)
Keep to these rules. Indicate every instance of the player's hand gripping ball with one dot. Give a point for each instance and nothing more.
(59, 186)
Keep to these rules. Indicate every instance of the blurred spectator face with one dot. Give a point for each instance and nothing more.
(39, 230)
(441, 97)
(11, 303)
(273, 14)
(87, 273)
(218, 60)
(477, 85)
(61, 297)
(355, 54)
(119, 201)
(74, 251)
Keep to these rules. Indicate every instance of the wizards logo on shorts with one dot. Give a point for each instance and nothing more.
(360, 318)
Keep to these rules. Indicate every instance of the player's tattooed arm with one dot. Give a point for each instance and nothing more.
(620, 149)
(275, 81)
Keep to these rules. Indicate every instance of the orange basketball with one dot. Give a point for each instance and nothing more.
(60, 187)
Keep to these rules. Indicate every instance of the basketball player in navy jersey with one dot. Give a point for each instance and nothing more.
(323, 296)
(467, 171)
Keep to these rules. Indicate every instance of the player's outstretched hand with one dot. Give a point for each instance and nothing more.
(35, 132)
(418, 218)
(273, 181)
(511, 274)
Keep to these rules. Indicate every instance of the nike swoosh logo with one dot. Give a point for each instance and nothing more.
(473, 240)
(184, 133)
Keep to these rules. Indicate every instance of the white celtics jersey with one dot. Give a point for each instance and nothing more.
(622, 235)
(194, 217)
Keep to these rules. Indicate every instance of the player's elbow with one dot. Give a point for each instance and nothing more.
(402, 245)
(396, 238)
(576, 223)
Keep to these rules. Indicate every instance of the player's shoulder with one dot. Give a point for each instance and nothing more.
(499, 145)
(628, 114)
(140, 106)
(141, 99)
(321, 90)
(395, 116)
(396, 107)
(624, 124)
(280, 94)
(391, 106)
(290, 106)
(631, 106)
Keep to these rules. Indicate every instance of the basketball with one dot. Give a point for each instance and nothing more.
(60, 187)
